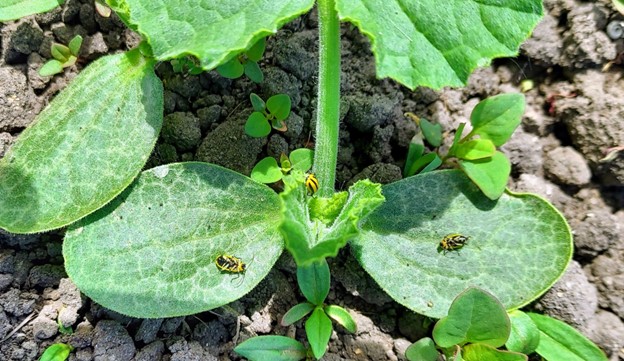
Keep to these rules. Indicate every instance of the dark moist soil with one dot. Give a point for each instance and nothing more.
(574, 113)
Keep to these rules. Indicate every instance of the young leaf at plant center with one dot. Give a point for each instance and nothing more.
(435, 43)
(15, 9)
(301, 159)
(74, 45)
(257, 50)
(296, 313)
(51, 177)
(60, 52)
(456, 139)
(279, 106)
(475, 149)
(267, 171)
(342, 316)
(422, 350)
(226, 27)
(318, 329)
(121, 256)
(524, 336)
(489, 174)
(51, 67)
(253, 71)
(475, 316)
(56, 352)
(432, 132)
(559, 341)
(271, 348)
(314, 280)
(257, 125)
(482, 352)
(424, 164)
(232, 69)
(326, 210)
(257, 103)
(495, 118)
(505, 254)
(309, 239)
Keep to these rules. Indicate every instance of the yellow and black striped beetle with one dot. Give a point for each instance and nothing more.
(230, 264)
(311, 183)
(452, 242)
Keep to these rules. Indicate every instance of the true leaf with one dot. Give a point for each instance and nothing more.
(74, 45)
(314, 280)
(257, 125)
(279, 106)
(424, 164)
(434, 43)
(266, 171)
(213, 31)
(561, 342)
(256, 51)
(505, 254)
(56, 352)
(253, 72)
(257, 103)
(482, 352)
(51, 67)
(271, 348)
(489, 174)
(308, 239)
(524, 336)
(232, 69)
(160, 238)
(432, 132)
(76, 156)
(475, 149)
(318, 329)
(414, 152)
(475, 316)
(296, 313)
(342, 316)
(302, 159)
(496, 118)
(15, 9)
(422, 350)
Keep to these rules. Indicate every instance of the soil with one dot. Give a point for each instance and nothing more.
(574, 114)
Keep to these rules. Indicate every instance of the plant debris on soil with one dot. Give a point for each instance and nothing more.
(574, 115)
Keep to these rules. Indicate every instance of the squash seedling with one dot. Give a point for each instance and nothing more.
(245, 63)
(64, 57)
(271, 114)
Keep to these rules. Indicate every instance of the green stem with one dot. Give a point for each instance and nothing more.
(328, 106)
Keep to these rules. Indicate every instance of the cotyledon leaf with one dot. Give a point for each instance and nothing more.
(84, 148)
(212, 30)
(15, 9)
(437, 43)
(519, 245)
(151, 252)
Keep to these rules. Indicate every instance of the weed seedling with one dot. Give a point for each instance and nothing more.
(271, 114)
(64, 57)
(245, 63)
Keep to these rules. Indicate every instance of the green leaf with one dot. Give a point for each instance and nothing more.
(511, 240)
(75, 44)
(257, 103)
(524, 336)
(296, 313)
(475, 149)
(233, 69)
(414, 152)
(314, 280)
(253, 72)
(213, 31)
(257, 125)
(271, 348)
(432, 132)
(15, 9)
(424, 164)
(60, 52)
(561, 342)
(422, 350)
(318, 329)
(267, 171)
(56, 352)
(256, 51)
(302, 159)
(51, 67)
(342, 316)
(496, 118)
(309, 240)
(327, 210)
(489, 174)
(481, 352)
(475, 316)
(279, 106)
(433, 43)
(151, 252)
(76, 156)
